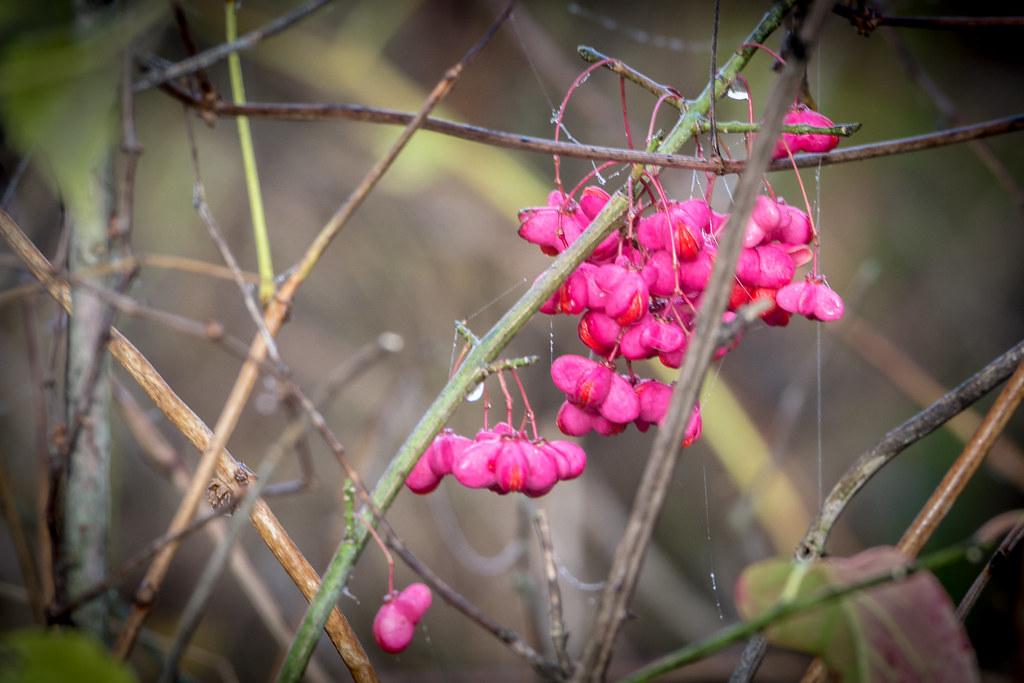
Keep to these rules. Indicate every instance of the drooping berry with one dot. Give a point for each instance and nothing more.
(396, 620)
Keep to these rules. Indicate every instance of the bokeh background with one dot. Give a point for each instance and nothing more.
(926, 248)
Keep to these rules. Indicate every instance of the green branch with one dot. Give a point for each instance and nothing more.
(491, 344)
(252, 178)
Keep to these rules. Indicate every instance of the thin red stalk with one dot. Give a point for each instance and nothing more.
(387, 556)
(625, 113)
(561, 115)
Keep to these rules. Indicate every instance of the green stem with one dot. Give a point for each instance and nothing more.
(252, 178)
(841, 129)
(785, 609)
(491, 344)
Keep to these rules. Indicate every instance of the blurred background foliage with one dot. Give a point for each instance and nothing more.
(926, 248)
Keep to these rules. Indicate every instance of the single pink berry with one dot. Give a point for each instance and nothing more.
(795, 228)
(570, 458)
(598, 331)
(475, 467)
(799, 115)
(812, 298)
(396, 620)
(436, 461)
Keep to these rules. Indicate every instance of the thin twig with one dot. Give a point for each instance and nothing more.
(197, 601)
(228, 469)
(60, 612)
(203, 209)
(657, 476)
(527, 143)
(868, 19)
(903, 371)
(525, 586)
(26, 564)
(713, 71)
(559, 636)
(898, 439)
(870, 462)
(40, 415)
(961, 471)
(995, 561)
(949, 116)
(215, 54)
(131, 150)
(971, 553)
(166, 459)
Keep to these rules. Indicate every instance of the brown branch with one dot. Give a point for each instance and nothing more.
(866, 19)
(267, 525)
(904, 372)
(527, 143)
(215, 54)
(961, 471)
(559, 636)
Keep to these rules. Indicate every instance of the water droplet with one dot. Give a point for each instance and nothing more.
(474, 395)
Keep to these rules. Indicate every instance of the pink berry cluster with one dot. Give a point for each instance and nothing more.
(638, 293)
(396, 620)
(502, 459)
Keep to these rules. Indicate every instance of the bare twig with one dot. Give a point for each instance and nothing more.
(961, 471)
(898, 439)
(865, 19)
(526, 587)
(197, 601)
(167, 460)
(869, 463)
(559, 636)
(899, 367)
(203, 209)
(657, 475)
(21, 548)
(949, 116)
(58, 613)
(995, 561)
(215, 54)
(228, 469)
(131, 150)
(713, 73)
(40, 418)
(471, 611)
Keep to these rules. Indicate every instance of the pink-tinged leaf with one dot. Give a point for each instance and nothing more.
(902, 631)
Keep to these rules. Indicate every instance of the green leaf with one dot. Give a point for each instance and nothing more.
(34, 656)
(899, 631)
(59, 90)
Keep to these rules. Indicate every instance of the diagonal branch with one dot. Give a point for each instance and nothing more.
(229, 470)
(215, 54)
